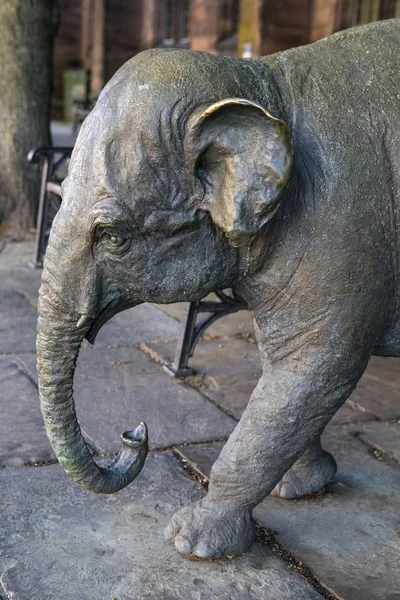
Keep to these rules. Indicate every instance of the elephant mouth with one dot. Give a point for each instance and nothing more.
(106, 314)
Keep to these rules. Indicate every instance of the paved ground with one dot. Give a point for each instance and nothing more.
(62, 134)
(58, 542)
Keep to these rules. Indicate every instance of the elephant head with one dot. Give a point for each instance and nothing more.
(174, 172)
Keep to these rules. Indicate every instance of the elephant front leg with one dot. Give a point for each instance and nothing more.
(309, 474)
(286, 414)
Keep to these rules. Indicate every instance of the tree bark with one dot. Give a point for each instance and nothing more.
(27, 28)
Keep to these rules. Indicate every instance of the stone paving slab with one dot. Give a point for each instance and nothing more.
(23, 280)
(17, 323)
(382, 436)
(144, 322)
(116, 388)
(385, 369)
(351, 412)
(22, 436)
(380, 396)
(348, 537)
(201, 456)
(227, 371)
(58, 542)
(26, 362)
(17, 255)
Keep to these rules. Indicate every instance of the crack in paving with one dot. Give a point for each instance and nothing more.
(167, 313)
(172, 447)
(23, 369)
(361, 409)
(395, 420)
(15, 352)
(189, 469)
(200, 443)
(39, 463)
(266, 537)
(152, 353)
(378, 454)
(247, 337)
(197, 382)
(29, 300)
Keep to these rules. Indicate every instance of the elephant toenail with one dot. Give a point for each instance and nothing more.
(203, 550)
(170, 531)
(183, 545)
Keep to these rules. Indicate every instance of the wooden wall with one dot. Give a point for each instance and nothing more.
(284, 24)
(323, 18)
(289, 23)
(66, 49)
(123, 33)
(132, 25)
(203, 28)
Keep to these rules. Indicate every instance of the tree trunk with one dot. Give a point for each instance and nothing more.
(27, 28)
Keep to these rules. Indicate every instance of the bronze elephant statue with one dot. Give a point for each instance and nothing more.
(277, 177)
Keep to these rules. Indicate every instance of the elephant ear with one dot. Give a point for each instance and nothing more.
(242, 156)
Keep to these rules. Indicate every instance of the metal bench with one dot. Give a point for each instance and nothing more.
(194, 325)
(51, 161)
(197, 317)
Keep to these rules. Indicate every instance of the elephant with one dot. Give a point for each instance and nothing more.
(277, 177)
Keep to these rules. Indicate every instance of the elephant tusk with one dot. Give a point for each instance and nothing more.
(83, 321)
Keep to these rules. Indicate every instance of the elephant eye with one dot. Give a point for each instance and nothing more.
(112, 241)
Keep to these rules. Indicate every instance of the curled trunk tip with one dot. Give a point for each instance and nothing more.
(133, 439)
(58, 345)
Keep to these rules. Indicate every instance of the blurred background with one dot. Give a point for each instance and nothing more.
(57, 55)
(96, 37)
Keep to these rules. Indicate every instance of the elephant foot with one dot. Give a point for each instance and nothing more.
(211, 532)
(308, 475)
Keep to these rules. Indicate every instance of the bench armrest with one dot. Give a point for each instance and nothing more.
(48, 151)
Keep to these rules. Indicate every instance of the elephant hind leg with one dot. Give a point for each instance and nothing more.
(309, 474)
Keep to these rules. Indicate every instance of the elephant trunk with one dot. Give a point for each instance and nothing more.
(58, 344)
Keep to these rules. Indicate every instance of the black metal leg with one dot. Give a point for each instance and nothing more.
(49, 184)
(192, 329)
(40, 239)
(179, 367)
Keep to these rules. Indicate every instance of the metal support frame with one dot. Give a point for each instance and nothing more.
(50, 159)
(192, 329)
